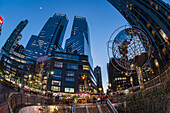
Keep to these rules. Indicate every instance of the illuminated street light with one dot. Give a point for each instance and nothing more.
(100, 89)
(157, 65)
(30, 76)
(52, 72)
(20, 84)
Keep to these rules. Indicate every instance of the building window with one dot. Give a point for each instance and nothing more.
(164, 36)
(156, 7)
(45, 77)
(72, 66)
(85, 67)
(56, 77)
(58, 64)
(55, 88)
(69, 90)
(45, 82)
(70, 73)
(44, 86)
(71, 79)
(58, 83)
(69, 84)
(57, 72)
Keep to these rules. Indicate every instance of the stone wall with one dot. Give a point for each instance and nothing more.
(153, 100)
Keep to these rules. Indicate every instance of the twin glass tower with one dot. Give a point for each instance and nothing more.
(51, 37)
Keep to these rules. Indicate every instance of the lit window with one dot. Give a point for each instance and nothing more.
(58, 64)
(71, 90)
(156, 7)
(70, 73)
(58, 83)
(55, 88)
(45, 77)
(164, 36)
(153, 32)
(85, 67)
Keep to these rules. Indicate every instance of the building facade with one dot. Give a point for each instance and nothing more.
(66, 73)
(153, 16)
(98, 75)
(119, 80)
(49, 39)
(16, 67)
(79, 40)
(13, 39)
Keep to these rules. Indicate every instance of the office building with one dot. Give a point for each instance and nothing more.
(16, 67)
(98, 75)
(79, 40)
(13, 39)
(49, 39)
(153, 16)
(119, 80)
(66, 73)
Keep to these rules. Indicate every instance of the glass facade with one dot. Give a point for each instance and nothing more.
(16, 67)
(72, 66)
(64, 71)
(49, 39)
(153, 17)
(15, 36)
(79, 40)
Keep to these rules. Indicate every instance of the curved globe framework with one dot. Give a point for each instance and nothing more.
(130, 49)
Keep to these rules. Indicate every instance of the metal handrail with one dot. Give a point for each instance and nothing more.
(73, 108)
(111, 106)
(99, 108)
(87, 111)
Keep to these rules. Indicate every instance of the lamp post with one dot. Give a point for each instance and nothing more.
(100, 91)
(29, 79)
(157, 65)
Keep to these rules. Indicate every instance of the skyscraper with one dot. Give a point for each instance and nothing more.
(79, 40)
(98, 75)
(15, 36)
(49, 39)
(118, 79)
(153, 16)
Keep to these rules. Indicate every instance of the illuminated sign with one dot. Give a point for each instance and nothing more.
(1, 20)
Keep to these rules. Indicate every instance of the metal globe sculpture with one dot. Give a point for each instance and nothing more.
(129, 48)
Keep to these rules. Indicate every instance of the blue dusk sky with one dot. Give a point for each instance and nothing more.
(101, 16)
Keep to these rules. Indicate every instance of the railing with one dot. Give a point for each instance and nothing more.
(99, 108)
(163, 77)
(19, 100)
(73, 108)
(111, 106)
(87, 111)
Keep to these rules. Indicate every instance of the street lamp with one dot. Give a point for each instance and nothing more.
(157, 65)
(52, 72)
(100, 89)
